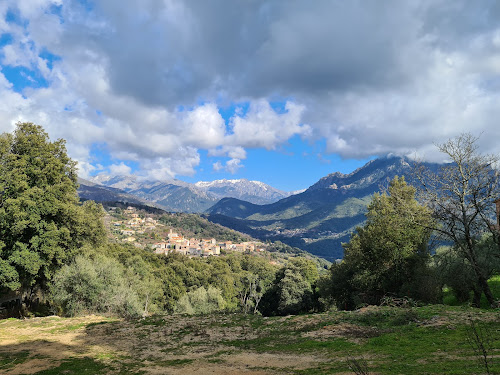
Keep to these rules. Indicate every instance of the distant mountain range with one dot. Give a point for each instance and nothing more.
(176, 195)
(322, 217)
(251, 191)
(317, 220)
(89, 190)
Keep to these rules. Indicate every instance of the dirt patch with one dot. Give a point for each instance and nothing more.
(272, 361)
(348, 331)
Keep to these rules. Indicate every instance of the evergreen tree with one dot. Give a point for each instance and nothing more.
(41, 222)
(382, 256)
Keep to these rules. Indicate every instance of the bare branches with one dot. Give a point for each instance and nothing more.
(461, 195)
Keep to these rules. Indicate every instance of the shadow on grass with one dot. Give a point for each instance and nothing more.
(48, 357)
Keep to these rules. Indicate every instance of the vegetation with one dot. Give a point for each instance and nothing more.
(389, 254)
(54, 247)
(195, 226)
(201, 301)
(461, 196)
(383, 340)
(42, 224)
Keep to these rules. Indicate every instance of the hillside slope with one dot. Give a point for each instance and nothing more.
(322, 217)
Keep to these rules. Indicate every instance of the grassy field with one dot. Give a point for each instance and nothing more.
(379, 340)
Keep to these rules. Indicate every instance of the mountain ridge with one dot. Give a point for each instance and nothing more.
(179, 196)
(324, 215)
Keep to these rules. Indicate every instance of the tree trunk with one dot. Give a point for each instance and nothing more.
(481, 279)
(482, 282)
(486, 289)
(476, 299)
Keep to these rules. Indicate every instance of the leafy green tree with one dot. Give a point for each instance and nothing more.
(293, 290)
(457, 272)
(294, 293)
(382, 255)
(42, 224)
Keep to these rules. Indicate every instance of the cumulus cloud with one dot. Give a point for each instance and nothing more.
(217, 166)
(148, 79)
(120, 169)
(264, 127)
(232, 166)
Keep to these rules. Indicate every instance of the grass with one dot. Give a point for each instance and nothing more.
(76, 366)
(419, 340)
(494, 282)
(10, 360)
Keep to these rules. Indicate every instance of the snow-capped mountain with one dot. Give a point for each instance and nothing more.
(176, 195)
(173, 195)
(251, 191)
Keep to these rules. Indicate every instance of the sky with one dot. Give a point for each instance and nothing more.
(284, 92)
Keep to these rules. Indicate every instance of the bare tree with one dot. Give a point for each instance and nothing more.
(461, 195)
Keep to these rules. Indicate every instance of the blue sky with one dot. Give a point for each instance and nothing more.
(281, 92)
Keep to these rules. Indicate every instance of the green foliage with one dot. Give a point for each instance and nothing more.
(384, 255)
(42, 224)
(196, 226)
(462, 196)
(95, 286)
(457, 272)
(201, 301)
(293, 290)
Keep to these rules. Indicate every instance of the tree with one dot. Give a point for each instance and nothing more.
(42, 224)
(456, 271)
(293, 290)
(381, 256)
(461, 195)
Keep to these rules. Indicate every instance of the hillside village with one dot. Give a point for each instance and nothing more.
(144, 230)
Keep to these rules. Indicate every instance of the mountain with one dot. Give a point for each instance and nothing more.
(322, 217)
(89, 190)
(174, 195)
(251, 191)
(180, 196)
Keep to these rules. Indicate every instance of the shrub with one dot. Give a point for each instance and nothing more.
(94, 286)
(201, 301)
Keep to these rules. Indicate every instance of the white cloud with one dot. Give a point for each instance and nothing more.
(123, 73)
(217, 166)
(233, 165)
(234, 152)
(264, 127)
(120, 169)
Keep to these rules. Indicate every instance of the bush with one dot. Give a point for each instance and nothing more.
(95, 285)
(201, 301)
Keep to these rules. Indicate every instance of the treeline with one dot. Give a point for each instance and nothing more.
(394, 256)
(127, 281)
